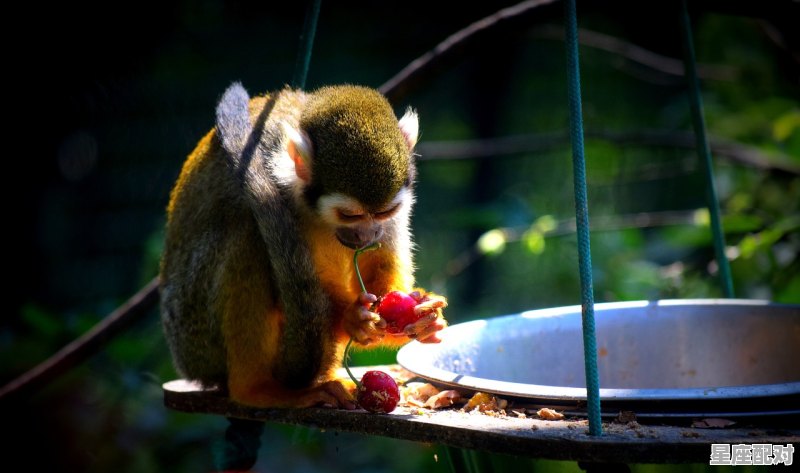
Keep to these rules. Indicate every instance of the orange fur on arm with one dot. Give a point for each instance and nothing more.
(384, 271)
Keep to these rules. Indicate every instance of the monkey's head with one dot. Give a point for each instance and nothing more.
(354, 161)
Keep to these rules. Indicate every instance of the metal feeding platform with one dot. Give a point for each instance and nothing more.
(672, 371)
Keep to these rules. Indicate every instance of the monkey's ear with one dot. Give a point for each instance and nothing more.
(233, 120)
(301, 151)
(409, 125)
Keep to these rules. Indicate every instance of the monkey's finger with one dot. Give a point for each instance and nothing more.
(421, 296)
(423, 325)
(427, 319)
(366, 315)
(439, 301)
(428, 307)
(429, 334)
(367, 299)
(367, 335)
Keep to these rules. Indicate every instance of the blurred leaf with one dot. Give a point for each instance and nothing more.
(741, 223)
(43, 323)
(702, 217)
(82, 323)
(545, 223)
(765, 239)
(125, 350)
(604, 165)
(789, 294)
(534, 241)
(785, 125)
(492, 242)
(684, 236)
(739, 202)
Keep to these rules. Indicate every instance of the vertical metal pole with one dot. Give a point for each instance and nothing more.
(582, 216)
(306, 44)
(704, 152)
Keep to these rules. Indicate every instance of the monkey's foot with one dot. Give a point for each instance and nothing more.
(330, 393)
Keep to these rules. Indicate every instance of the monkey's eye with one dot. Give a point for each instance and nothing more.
(346, 215)
(386, 214)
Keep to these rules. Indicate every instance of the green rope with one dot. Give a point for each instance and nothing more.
(582, 216)
(306, 43)
(704, 153)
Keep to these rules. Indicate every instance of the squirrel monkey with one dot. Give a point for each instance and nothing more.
(259, 294)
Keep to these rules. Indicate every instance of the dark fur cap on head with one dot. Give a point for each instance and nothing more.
(358, 146)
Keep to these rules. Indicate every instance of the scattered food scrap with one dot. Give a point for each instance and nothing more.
(486, 404)
(415, 394)
(427, 395)
(549, 414)
(520, 413)
(712, 423)
(625, 416)
(443, 399)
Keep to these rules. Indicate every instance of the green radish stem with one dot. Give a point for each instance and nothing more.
(347, 368)
(373, 246)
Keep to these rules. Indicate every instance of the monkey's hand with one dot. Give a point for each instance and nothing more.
(429, 310)
(366, 327)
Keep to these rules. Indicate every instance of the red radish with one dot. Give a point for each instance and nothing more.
(397, 308)
(378, 392)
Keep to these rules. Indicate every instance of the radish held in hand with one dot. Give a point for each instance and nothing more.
(397, 308)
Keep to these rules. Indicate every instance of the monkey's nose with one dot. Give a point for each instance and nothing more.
(359, 237)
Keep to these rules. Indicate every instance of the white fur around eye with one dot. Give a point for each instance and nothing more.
(329, 204)
(404, 195)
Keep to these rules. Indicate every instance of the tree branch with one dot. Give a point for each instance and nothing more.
(481, 149)
(630, 51)
(503, 21)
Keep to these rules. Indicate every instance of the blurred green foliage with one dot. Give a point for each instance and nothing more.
(492, 234)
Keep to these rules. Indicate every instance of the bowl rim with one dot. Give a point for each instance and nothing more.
(412, 358)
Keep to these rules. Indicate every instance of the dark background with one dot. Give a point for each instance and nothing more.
(107, 100)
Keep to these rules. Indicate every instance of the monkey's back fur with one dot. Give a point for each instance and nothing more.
(214, 259)
(205, 236)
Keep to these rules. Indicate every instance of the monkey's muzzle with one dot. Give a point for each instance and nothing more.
(359, 236)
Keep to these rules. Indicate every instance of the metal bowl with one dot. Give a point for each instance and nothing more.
(667, 357)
